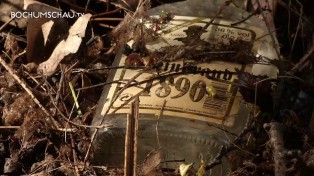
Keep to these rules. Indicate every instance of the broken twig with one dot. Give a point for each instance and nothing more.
(130, 155)
(29, 92)
(275, 131)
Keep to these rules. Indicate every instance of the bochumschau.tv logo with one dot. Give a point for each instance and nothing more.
(45, 14)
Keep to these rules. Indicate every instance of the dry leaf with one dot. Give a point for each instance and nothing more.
(11, 47)
(41, 40)
(184, 168)
(66, 47)
(79, 27)
(46, 28)
(256, 89)
(151, 162)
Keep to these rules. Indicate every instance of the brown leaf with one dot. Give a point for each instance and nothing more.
(124, 31)
(11, 46)
(66, 47)
(249, 84)
(151, 162)
(41, 43)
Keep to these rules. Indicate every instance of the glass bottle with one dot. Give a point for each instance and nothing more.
(193, 104)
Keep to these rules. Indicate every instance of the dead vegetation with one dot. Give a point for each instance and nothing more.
(51, 81)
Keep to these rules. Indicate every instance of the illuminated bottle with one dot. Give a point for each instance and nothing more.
(193, 103)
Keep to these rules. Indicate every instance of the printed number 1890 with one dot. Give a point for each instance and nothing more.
(183, 85)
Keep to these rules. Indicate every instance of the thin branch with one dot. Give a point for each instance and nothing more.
(270, 29)
(73, 123)
(10, 127)
(275, 131)
(107, 13)
(106, 19)
(231, 146)
(224, 130)
(30, 93)
(130, 154)
(107, 111)
(158, 117)
(303, 62)
(6, 24)
(74, 156)
(298, 28)
(246, 18)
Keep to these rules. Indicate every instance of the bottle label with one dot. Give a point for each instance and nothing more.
(205, 91)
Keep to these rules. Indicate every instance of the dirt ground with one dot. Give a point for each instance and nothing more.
(52, 76)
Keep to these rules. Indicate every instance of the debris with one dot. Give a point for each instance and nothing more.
(66, 47)
(151, 163)
(183, 168)
(42, 133)
(43, 34)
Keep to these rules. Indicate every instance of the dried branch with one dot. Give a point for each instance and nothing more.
(73, 123)
(158, 118)
(275, 131)
(303, 62)
(107, 111)
(6, 24)
(269, 22)
(10, 127)
(231, 146)
(55, 124)
(74, 156)
(130, 155)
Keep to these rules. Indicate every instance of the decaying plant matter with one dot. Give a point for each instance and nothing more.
(46, 122)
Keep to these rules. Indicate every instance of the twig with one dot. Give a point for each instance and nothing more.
(246, 18)
(59, 89)
(106, 19)
(30, 93)
(283, 4)
(158, 117)
(136, 118)
(151, 79)
(108, 5)
(303, 62)
(69, 117)
(99, 85)
(106, 25)
(191, 46)
(107, 13)
(86, 6)
(34, 79)
(269, 28)
(73, 123)
(275, 131)
(130, 153)
(5, 24)
(9, 127)
(231, 146)
(107, 111)
(224, 130)
(227, 3)
(74, 156)
(298, 28)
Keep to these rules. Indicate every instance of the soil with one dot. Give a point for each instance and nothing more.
(45, 126)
